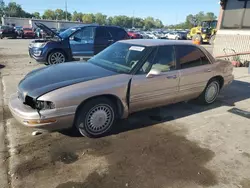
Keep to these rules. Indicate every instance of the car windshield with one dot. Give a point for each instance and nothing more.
(120, 57)
(68, 32)
(27, 29)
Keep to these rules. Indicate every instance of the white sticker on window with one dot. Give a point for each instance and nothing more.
(137, 48)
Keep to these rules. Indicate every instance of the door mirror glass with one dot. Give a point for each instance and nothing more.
(153, 73)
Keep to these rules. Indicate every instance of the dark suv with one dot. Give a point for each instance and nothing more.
(75, 42)
(7, 31)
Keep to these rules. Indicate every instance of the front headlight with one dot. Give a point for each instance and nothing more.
(44, 105)
(39, 45)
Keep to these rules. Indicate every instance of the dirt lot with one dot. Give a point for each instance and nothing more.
(182, 145)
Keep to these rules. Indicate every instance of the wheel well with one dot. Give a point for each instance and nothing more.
(220, 79)
(117, 102)
(56, 50)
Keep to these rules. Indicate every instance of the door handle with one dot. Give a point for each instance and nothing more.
(111, 40)
(209, 70)
(172, 77)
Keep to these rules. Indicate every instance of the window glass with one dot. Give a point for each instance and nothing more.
(162, 59)
(86, 34)
(120, 57)
(233, 14)
(190, 56)
(102, 32)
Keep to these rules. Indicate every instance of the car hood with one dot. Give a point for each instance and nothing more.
(47, 30)
(46, 79)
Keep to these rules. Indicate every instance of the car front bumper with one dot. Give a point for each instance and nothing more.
(30, 117)
(41, 58)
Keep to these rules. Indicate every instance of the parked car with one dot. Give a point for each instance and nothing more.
(61, 30)
(19, 31)
(28, 33)
(75, 42)
(7, 31)
(134, 35)
(128, 76)
(176, 36)
(40, 33)
(151, 35)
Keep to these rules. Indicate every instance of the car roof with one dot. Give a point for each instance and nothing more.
(156, 42)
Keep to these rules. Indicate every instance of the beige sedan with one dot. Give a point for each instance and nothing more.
(127, 77)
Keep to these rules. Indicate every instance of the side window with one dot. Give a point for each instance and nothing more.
(86, 33)
(190, 56)
(102, 33)
(162, 59)
(118, 33)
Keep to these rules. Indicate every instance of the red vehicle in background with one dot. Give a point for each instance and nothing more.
(28, 33)
(134, 35)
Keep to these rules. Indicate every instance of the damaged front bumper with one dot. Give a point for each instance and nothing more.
(49, 120)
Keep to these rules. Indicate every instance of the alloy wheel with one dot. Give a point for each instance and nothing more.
(56, 58)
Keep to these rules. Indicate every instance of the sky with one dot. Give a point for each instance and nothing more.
(168, 11)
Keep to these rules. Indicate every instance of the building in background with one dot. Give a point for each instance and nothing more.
(27, 22)
(233, 28)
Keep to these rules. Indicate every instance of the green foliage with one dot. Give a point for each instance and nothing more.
(36, 15)
(15, 10)
(193, 20)
(88, 18)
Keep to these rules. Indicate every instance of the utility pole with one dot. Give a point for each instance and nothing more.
(133, 20)
(66, 12)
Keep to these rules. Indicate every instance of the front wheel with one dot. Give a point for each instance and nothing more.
(211, 92)
(56, 57)
(96, 117)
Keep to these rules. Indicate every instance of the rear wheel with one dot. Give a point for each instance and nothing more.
(56, 57)
(96, 118)
(211, 92)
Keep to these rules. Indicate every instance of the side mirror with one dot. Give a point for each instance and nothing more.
(153, 73)
(75, 39)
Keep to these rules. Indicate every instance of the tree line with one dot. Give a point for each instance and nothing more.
(13, 9)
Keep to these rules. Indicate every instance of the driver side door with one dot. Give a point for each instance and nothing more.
(156, 90)
(82, 42)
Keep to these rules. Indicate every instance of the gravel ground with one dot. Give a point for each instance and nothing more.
(182, 145)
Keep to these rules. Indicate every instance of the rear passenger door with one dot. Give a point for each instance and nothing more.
(103, 39)
(195, 71)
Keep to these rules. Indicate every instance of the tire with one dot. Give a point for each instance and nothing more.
(176, 38)
(211, 40)
(198, 37)
(213, 87)
(56, 57)
(96, 112)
